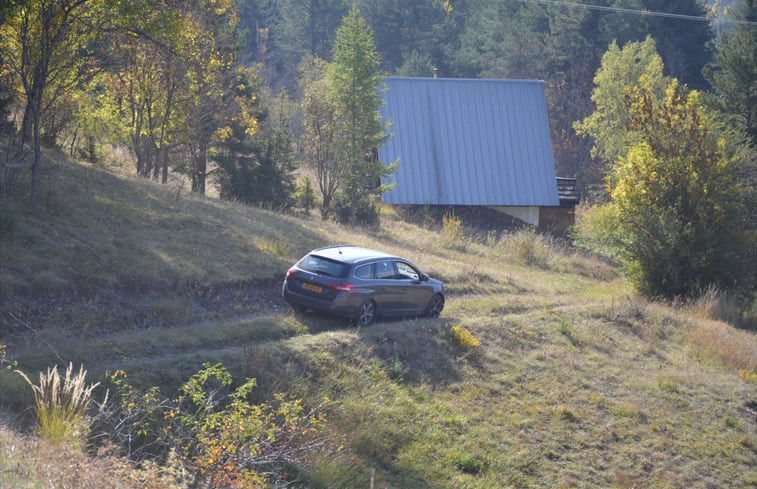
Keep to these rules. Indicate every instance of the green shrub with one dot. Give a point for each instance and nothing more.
(530, 249)
(226, 441)
(361, 212)
(732, 423)
(452, 226)
(564, 328)
(305, 195)
(397, 370)
(463, 338)
(470, 464)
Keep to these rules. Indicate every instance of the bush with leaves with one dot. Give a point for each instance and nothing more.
(215, 433)
(360, 210)
(679, 213)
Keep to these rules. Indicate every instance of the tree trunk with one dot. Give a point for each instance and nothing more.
(36, 108)
(164, 165)
(37, 159)
(201, 168)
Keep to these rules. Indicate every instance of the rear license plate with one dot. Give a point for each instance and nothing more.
(312, 287)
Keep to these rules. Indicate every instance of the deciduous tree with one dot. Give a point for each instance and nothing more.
(211, 44)
(678, 214)
(319, 129)
(47, 44)
(637, 63)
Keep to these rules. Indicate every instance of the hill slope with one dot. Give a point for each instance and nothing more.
(575, 382)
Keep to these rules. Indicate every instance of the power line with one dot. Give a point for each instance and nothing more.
(648, 13)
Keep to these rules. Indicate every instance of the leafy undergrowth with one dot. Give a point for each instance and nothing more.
(544, 369)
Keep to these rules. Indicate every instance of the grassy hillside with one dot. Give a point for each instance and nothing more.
(575, 383)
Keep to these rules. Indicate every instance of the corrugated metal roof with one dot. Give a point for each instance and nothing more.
(468, 142)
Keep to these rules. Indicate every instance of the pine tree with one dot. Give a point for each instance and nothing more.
(735, 71)
(354, 82)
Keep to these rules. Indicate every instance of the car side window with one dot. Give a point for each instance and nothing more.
(406, 272)
(385, 270)
(364, 271)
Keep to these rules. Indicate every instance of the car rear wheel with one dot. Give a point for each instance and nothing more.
(366, 314)
(435, 306)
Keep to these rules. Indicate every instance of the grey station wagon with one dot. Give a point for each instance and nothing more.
(361, 284)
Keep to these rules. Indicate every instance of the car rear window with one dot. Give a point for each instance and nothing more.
(323, 266)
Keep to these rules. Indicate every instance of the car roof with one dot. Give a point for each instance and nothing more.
(350, 253)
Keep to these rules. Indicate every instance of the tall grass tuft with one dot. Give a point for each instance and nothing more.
(452, 226)
(714, 303)
(60, 404)
(729, 346)
(530, 248)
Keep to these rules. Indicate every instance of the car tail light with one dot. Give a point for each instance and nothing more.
(290, 274)
(345, 288)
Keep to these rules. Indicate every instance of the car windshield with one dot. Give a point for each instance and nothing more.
(323, 266)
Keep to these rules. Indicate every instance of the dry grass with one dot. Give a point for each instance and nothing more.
(720, 305)
(60, 405)
(31, 462)
(711, 317)
(569, 380)
(533, 408)
(726, 345)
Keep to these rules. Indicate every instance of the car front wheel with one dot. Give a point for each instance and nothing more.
(435, 306)
(366, 314)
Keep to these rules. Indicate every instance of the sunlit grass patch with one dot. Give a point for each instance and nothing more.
(463, 338)
(748, 376)
(612, 291)
(669, 383)
(566, 413)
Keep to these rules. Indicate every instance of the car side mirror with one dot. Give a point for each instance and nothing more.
(424, 277)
